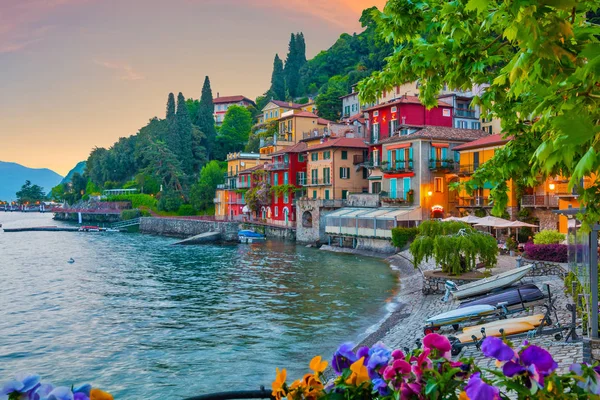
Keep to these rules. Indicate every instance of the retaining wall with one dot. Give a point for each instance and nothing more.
(187, 227)
(546, 268)
(272, 232)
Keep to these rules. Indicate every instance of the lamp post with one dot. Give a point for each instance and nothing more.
(427, 203)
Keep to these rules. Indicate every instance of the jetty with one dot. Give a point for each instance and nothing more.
(44, 229)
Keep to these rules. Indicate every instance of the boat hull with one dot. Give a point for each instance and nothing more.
(510, 296)
(487, 285)
(461, 314)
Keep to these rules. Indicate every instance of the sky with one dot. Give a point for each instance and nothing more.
(76, 74)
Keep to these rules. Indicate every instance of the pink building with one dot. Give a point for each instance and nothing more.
(223, 103)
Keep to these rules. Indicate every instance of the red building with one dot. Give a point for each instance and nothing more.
(288, 172)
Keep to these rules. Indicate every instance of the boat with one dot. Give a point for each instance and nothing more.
(89, 228)
(507, 326)
(459, 315)
(486, 285)
(512, 296)
(249, 236)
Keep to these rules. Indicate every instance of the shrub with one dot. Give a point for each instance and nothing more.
(137, 200)
(130, 214)
(170, 201)
(547, 252)
(402, 236)
(186, 209)
(549, 236)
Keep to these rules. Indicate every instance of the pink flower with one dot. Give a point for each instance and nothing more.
(437, 342)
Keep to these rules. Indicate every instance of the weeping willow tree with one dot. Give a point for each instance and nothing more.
(455, 246)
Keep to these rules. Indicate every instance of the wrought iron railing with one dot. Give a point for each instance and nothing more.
(449, 165)
(477, 201)
(539, 200)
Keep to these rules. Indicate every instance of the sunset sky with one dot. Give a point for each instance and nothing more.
(75, 74)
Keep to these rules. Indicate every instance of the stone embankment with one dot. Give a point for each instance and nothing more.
(185, 228)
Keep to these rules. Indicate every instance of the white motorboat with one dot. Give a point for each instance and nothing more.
(486, 285)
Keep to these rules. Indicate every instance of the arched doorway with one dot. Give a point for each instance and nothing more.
(437, 212)
(307, 219)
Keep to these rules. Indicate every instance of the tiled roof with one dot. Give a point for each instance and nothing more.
(255, 168)
(323, 121)
(305, 114)
(231, 99)
(297, 148)
(440, 133)
(488, 141)
(357, 117)
(405, 100)
(286, 104)
(348, 95)
(340, 142)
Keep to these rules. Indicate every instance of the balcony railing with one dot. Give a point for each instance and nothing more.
(398, 196)
(236, 201)
(301, 181)
(317, 182)
(540, 200)
(443, 165)
(280, 165)
(243, 185)
(477, 201)
(467, 169)
(315, 133)
(462, 112)
(398, 166)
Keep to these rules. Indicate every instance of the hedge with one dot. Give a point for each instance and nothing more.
(547, 252)
(402, 236)
(549, 236)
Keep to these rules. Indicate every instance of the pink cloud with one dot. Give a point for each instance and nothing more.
(125, 72)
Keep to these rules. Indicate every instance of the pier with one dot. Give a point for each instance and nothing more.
(44, 229)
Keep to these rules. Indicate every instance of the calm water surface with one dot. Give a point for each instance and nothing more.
(146, 320)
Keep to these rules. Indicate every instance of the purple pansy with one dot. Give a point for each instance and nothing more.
(494, 347)
(22, 383)
(61, 393)
(540, 358)
(379, 356)
(590, 378)
(343, 358)
(381, 386)
(477, 389)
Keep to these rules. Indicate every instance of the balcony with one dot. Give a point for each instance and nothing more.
(223, 186)
(236, 201)
(301, 181)
(316, 133)
(443, 165)
(279, 166)
(318, 182)
(397, 197)
(467, 169)
(477, 201)
(548, 200)
(243, 185)
(359, 159)
(397, 167)
(464, 112)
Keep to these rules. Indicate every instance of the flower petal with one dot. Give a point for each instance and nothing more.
(511, 369)
(61, 393)
(437, 341)
(540, 358)
(496, 348)
(477, 389)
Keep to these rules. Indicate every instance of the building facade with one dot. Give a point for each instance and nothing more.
(222, 104)
(228, 202)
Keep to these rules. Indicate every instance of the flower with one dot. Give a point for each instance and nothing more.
(359, 374)
(317, 365)
(61, 393)
(434, 341)
(97, 394)
(343, 358)
(589, 380)
(397, 354)
(278, 384)
(379, 356)
(534, 362)
(477, 389)
(381, 386)
(22, 383)
(494, 347)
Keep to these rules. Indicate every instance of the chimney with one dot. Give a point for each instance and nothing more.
(218, 95)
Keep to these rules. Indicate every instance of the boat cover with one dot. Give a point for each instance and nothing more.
(529, 293)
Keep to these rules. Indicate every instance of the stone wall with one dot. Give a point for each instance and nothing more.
(272, 232)
(188, 227)
(363, 200)
(314, 231)
(376, 245)
(548, 219)
(546, 268)
(591, 350)
(436, 285)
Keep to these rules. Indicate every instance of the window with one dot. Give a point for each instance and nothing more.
(271, 114)
(326, 155)
(365, 173)
(475, 161)
(276, 113)
(376, 187)
(376, 113)
(314, 194)
(393, 126)
(344, 194)
(301, 178)
(344, 155)
(286, 198)
(438, 184)
(314, 156)
(344, 172)
(394, 109)
(475, 124)
(290, 126)
(358, 128)
(300, 157)
(266, 116)
(276, 211)
(375, 137)
(275, 179)
(326, 194)
(347, 110)
(236, 169)
(286, 158)
(375, 158)
(326, 176)
(314, 176)
(285, 178)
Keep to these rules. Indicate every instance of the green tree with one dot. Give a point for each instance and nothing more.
(278, 79)
(192, 106)
(329, 102)
(184, 129)
(206, 119)
(30, 194)
(162, 164)
(295, 60)
(234, 132)
(172, 138)
(202, 192)
(540, 64)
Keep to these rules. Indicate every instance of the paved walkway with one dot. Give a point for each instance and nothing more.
(409, 321)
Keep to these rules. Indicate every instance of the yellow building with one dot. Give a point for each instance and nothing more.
(226, 196)
(472, 155)
(310, 107)
(331, 174)
(275, 109)
(292, 127)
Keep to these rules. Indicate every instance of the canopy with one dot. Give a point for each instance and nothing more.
(452, 219)
(520, 224)
(494, 222)
(470, 219)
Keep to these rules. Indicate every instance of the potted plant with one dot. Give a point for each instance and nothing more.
(511, 245)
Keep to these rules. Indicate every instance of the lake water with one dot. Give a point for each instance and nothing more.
(146, 320)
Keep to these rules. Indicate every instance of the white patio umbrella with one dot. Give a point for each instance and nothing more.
(493, 222)
(452, 219)
(470, 219)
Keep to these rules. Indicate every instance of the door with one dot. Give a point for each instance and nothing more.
(475, 161)
(406, 187)
(393, 188)
(286, 215)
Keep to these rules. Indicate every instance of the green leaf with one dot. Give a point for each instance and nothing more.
(479, 5)
(584, 166)
(431, 387)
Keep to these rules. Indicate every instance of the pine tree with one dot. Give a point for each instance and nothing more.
(301, 49)
(206, 119)
(278, 79)
(172, 139)
(184, 130)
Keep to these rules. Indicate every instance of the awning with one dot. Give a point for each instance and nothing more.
(399, 146)
(374, 178)
(402, 175)
(381, 213)
(440, 145)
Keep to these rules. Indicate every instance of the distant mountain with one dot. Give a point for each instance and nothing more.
(13, 176)
(79, 168)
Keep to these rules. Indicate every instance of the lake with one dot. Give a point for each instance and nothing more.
(146, 320)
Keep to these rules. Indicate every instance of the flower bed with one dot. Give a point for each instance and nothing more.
(30, 387)
(547, 252)
(528, 372)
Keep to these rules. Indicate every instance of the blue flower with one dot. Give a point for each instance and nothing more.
(343, 358)
(381, 386)
(61, 393)
(22, 383)
(590, 380)
(379, 356)
(494, 347)
(477, 389)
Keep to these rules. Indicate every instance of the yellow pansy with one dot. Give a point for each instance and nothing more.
(463, 396)
(359, 374)
(317, 365)
(278, 384)
(97, 394)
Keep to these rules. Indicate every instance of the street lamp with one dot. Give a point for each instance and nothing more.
(551, 186)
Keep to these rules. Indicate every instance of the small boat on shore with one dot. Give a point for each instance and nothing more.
(486, 285)
(90, 228)
(249, 236)
(512, 296)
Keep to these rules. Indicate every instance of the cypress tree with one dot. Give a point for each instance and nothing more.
(301, 49)
(171, 136)
(278, 79)
(206, 119)
(296, 58)
(184, 130)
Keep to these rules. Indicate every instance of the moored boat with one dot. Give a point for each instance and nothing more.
(249, 236)
(512, 296)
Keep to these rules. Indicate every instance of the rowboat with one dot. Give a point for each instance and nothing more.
(512, 296)
(486, 285)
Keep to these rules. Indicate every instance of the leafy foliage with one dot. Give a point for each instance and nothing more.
(329, 102)
(137, 200)
(547, 252)
(548, 237)
(30, 193)
(402, 236)
(455, 246)
(234, 131)
(205, 119)
(203, 191)
(540, 66)
(277, 89)
(296, 58)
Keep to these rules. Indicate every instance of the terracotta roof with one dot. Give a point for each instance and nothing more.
(405, 100)
(297, 148)
(231, 99)
(286, 104)
(440, 133)
(323, 121)
(488, 141)
(357, 117)
(255, 168)
(340, 142)
(305, 114)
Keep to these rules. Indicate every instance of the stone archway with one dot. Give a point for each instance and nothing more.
(307, 219)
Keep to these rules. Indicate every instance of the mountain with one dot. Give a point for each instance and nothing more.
(13, 176)
(79, 168)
